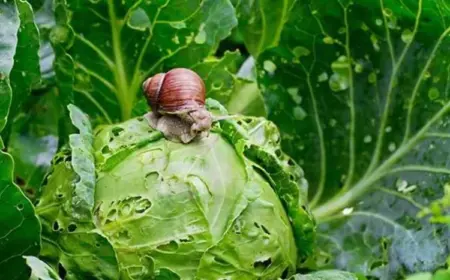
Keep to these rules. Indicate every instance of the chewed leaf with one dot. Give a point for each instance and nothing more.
(360, 92)
(20, 230)
(40, 270)
(259, 141)
(67, 240)
(110, 47)
(83, 165)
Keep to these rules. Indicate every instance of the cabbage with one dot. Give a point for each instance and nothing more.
(125, 203)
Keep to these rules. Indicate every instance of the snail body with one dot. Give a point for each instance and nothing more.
(178, 96)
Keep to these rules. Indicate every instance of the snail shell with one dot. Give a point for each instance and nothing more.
(179, 90)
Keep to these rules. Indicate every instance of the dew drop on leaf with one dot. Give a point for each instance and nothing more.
(201, 37)
(293, 92)
(300, 51)
(407, 36)
(433, 93)
(322, 77)
(328, 40)
(367, 139)
(347, 211)
(299, 113)
(392, 147)
(269, 66)
(388, 129)
(379, 21)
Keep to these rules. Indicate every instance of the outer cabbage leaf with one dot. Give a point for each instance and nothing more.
(105, 49)
(65, 208)
(360, 91)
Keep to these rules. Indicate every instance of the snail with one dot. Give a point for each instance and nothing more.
(177, 100)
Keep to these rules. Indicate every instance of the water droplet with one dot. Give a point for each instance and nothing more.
(323, 77)
(375, 44)
(333, 122)
(293, 92)
(427, 75)
(23, 73)
(338, 82)
(201, 37)
(300, 51)
(299, 113)
(401, 185)
(176, 40)
(388, 129)
(269, 66)
(178, 25)
(372, 78)
(347, 211)
(379, 21)
(407, 36)
(392, 147)
(388, 12)
(433, 93)
(359, 68)
(367, 139)
(328, 40)
(364, 27)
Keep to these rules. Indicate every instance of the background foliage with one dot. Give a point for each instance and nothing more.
(359, 90)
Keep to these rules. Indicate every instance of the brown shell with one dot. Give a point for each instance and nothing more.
(178, 90)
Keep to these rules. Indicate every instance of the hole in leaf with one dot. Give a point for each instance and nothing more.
(291, 162)
(265, 229)
(292, 177)
(376, 264)
(116, 131)
(248, 120)
(111, 213)
(62, 271)
(285, 273)
(19, 181)
(97, 245)
(256, 225)
(170, 247)
(20, 206)
(71, 227)
(143, 206)
(106, 150)
(186, 239)
(278, 153)
(263, 264)
(55, 226)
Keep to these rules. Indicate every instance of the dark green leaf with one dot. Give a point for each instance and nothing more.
(239, 96)
(8, 41)
(40, 270)
(115, 45)
(20, 228)
(261, 22)
(360, 92)
(25, 72)
(34, 141)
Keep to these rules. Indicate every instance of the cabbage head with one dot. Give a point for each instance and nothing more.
(122, 202)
